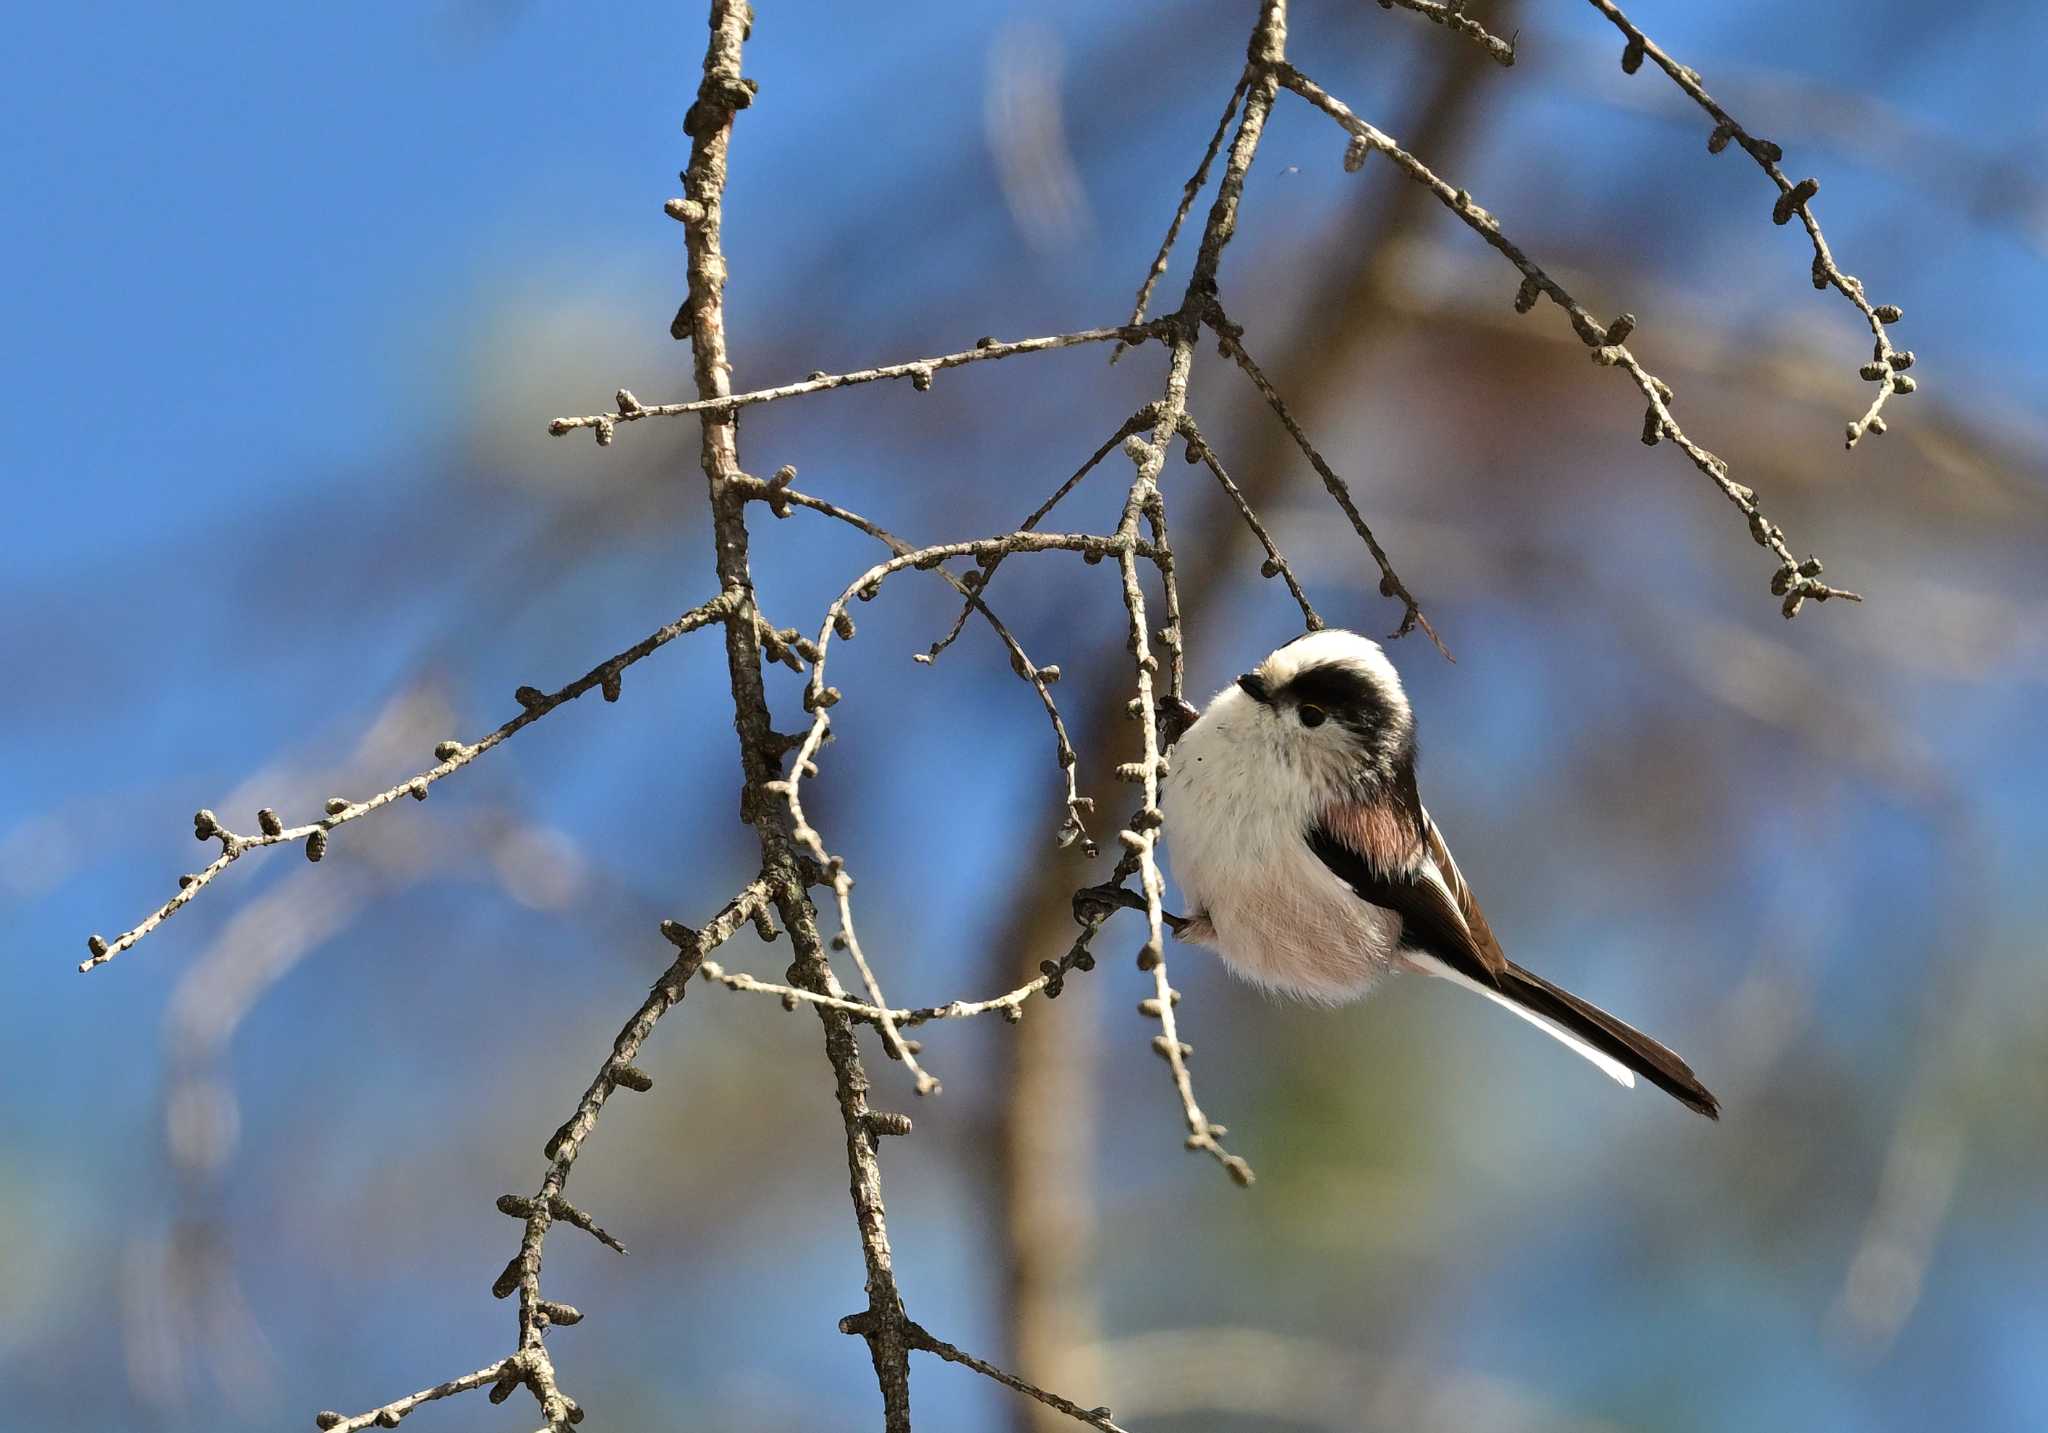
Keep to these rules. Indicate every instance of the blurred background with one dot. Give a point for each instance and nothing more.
(293, 296)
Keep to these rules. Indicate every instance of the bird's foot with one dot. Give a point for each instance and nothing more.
(1094, 904)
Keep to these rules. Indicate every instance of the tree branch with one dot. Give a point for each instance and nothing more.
(1888, 365)
(1451, 14)
(1795, 580)
(451, 756)
(918, 370)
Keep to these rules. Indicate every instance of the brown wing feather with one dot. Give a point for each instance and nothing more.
(1379, 850)
(1490, 954)
(1384, 836)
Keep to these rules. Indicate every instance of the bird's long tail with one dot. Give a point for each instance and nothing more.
(1616, 1047)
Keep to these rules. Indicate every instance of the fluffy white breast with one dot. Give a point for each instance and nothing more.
(1239, 799)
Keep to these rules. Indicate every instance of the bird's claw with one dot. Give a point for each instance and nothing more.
(1095, 904)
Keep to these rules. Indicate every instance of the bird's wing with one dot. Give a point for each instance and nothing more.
(1490, 953)
(1399, 861)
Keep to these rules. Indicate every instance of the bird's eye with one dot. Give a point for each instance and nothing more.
(1312, 715)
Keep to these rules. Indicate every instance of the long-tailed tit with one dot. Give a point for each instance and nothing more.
(1311, 865)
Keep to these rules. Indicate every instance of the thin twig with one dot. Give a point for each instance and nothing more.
(1010, 1004)
(918, 370)
(1795, 580)
(1452, 15)
(1888, 365)
(1093, 1417)
(1231, 339)
(547, 1205)
(780, 497)
(820, 698)
(1141, 836)
(388, 1415)
(1180, 214)
(453, 756)
(1275, 565)
(1132, 424)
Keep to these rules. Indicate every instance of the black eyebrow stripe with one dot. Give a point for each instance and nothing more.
(1338, 687)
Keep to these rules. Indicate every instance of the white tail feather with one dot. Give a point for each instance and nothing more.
(1617, 1071)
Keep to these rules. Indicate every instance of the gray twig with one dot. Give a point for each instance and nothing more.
(1231, 338)
(1888, 365)
(1451, 14)
(1275, 565)
(1180, 214)
(972, 586)
(1093, 1417)
(453, 756)
(387, 1415)
(1132, 424)
(918, 370)
(1795, 580)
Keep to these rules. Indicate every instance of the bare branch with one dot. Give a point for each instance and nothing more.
(1451, 14)
(452, 757)
(820, 698)
(1010, 1005)
(1141, 836)
(1136, 422)
(388, 1415)
(918, 370)
(1275, 565)
(1888, 365)
(1231, 339)
(1795, 580)
(780, 497)
(1180, 214)
(547, 1205)
(1093, 1417)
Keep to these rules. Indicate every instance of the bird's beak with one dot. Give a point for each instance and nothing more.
(1255, 687)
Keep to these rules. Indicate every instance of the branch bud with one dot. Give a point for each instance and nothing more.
(1790, 201)
(267, 822)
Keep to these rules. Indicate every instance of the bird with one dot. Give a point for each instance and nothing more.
(1299, 840)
